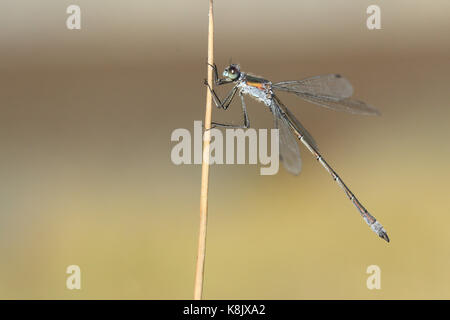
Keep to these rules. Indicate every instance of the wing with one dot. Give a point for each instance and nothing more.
(293, 120)
(329, 85)
(289, 151)
(332, 91)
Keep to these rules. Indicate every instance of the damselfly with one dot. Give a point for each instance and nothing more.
(332, 91)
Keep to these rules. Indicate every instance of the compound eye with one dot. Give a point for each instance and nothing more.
(233, 72)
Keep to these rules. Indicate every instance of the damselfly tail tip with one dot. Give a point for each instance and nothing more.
(379, 230)
(384, 236)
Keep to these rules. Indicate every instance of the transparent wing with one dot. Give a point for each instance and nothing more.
(347, 105)
(289, 151)
(328, 85)
(300, 128)
(331, 91)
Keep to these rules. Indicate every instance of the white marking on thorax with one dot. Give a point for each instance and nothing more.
(264, 96)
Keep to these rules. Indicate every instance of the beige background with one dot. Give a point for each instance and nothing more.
(86, 176)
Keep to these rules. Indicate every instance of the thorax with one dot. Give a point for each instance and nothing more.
(258, 88)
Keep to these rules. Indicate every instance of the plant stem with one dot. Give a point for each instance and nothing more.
(199, 270)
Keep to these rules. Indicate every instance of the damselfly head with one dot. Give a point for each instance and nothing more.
(232, 72)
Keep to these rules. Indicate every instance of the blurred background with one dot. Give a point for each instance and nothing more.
(86, 176)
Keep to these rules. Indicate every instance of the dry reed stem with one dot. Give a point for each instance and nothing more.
(199, 270)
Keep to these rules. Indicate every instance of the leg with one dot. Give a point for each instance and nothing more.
(217, 80)
(246, 124)
(216, 74)
(226, 102)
